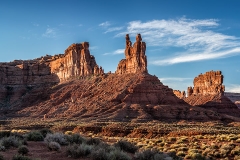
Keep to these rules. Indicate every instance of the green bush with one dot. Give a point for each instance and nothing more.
(34, 136)
(54, 146)
(99, 154)
(93, 141)
(145, 155)
(45, 131)
(56, 137)
(77, 151)
(5, 133)
(1, 157)
(118, 155)
(11, 141)
(75, 138)
(126, 146)
(20, 157)
(23, 150)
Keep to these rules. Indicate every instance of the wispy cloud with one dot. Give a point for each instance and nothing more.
(105, 24)
(233, 88)
(177, 83)
(93, 47)
(50, 33)
(35, 24)
(113, 29)
(196, 37)
(118, 51)
(174, 79)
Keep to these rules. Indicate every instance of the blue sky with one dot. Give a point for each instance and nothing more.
(184, 38)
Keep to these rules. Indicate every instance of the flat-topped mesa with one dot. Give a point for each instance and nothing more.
(136, 60)
(210, 83)
(76, 61)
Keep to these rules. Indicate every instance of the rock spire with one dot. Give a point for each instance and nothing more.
(135, 59)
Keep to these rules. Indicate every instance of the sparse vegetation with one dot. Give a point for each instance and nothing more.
(126, 146)
(187, 141)
(20, 157)
(34, 136)
(54, 146)
(23, 150)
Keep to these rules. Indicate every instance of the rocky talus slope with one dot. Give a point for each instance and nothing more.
(130, 97)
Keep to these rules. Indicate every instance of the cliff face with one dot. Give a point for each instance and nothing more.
(136, 60)
(19, 78)
(26, 80)
(76, 61)
(208, 93)
(210, 83)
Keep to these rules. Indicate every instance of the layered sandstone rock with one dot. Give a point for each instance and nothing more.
(76, 62)
(179, 94)
(208, 93)
(210, 83)
(17, 78)
(21, 80)
(136, 60)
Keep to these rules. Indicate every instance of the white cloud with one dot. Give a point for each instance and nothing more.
(186, 57)
(105, 24)
(164, 79)
(80, 25)
(113, 29)
(35, 24)
(93, 47)
(118, 51)
(177, 83)
(235, 88)
(50, 33)
(196, 37)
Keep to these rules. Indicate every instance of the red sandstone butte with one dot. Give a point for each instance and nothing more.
(208, 93)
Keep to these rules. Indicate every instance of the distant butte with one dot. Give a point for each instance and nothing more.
(208, 93)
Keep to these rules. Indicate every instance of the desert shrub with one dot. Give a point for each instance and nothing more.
(236, 151)
(181, 154)
(2, 148)
(126, 146)
(238, 140)
(20, 157)
(118, 155)
(45, 131)
(237, 157)
(11, 141)
(145, 155)
(1, 157)
(182, 149)
(5, 133)
(77, 151)
(171, 139)
(93, 141)
(197, 156)
(68, 132)
(23, 150)
(54, 146)
(99, 154)
(34, 136)
(56, 137)
(75, 138)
